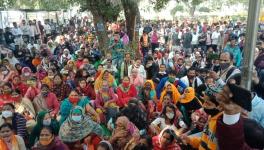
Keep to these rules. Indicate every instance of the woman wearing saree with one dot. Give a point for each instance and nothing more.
(125, 135)
(126, 91)
(105, 75)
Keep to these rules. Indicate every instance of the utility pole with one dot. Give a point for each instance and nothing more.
(251, 37)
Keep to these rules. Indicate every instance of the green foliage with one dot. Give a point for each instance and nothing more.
(204, 9)
(177, 8)
(5, 4)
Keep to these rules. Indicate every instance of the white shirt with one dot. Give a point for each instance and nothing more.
(194, 39)
(32, 31)
(161, 123)
(215, 37)
(25, 29)
(47, 28)
(16, 31)
(141, 71)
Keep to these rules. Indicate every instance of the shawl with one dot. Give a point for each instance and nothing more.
(71, 131)
(14, 142)
(138, 81)
(175, 93)
(99, 81)
(132, 133)
(188, 96)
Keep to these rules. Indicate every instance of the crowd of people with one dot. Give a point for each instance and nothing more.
(59, 91)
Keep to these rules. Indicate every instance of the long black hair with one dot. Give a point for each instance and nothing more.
(163, 113)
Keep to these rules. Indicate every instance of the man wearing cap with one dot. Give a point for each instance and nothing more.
(233, 131)
(171, 79)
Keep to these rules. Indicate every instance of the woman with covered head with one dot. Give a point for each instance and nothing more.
(105, 100)
(43, 119)
(170, 90)
(48, 140)
(166, 140)
(105, 75)
(126, 91)
(136, 79)
(73, 100)
(188, 103)
(79, 130)
(148, 97)
(26, 73)
(125, 135)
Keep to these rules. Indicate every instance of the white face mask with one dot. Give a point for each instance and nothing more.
(7, 114)
(76, 118)
(27, 74)
(170, 115)
(47, 122)
(5, 72)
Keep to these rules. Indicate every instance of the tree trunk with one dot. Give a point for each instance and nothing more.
(101, 32)
(192, 10)
(130, 25)
(131, 11)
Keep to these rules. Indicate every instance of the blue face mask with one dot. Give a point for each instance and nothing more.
(76, 118)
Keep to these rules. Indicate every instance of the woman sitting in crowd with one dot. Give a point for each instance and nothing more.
(33, 89)
(73, 100)
(168, 119)
(46, 100)
(105, 75)
(188, 103)
(60, 88)
(136, 79)
(126, 91)
(148, 97)
(17, 84)
(171, 90)
(43, 119)
(86, 89)
(166, 140)
(9, 140)
(17, 121)
(49, 141)
(79, 131)
(125, 134)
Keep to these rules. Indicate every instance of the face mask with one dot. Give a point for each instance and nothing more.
(7, 114)
(211, 112)
(169, 92)
(191, 77)
(45, 142)
(170, 115)
(76, 118)
(51, 77)
(45, 94)
(171, 80)
(5, 72)
(74, 100)
(27, 74)
(125, 84)
(47, 122)
(224, 66)
(105, 88)
(148, 87)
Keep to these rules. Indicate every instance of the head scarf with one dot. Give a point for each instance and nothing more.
(175, 93)
(15, 145)
(188, 97)
(132, 132)
(71, 131)
(151, 83)
(108, 144)
(99, 80)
